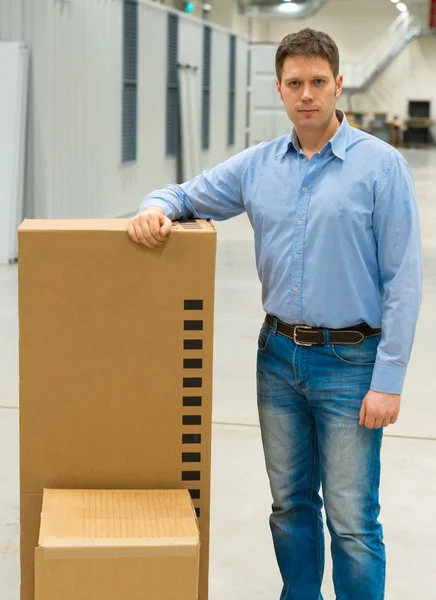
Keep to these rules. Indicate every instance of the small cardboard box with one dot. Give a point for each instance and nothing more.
(117, 544)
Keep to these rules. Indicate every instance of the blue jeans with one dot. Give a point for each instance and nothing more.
(309, 400)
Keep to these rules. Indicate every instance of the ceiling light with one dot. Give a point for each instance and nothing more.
(395, 1)
(288, 8)
(291, 0)
(401, 7)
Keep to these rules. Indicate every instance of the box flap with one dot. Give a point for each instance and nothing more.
(117, 523)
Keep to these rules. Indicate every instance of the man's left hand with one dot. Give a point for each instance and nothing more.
(379, 410)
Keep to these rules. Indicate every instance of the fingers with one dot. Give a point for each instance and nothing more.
(379, 410)
(370, 422)
(377, 421)
(150, 228)
(362, 414)
(155, 228)
(166, 225)
(365, 418)
(131, 231)
(143, 234)
(138, 234)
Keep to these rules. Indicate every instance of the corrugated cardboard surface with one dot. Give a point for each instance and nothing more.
(115, 363)
(140, 579)
(117, 523)
(117, 544)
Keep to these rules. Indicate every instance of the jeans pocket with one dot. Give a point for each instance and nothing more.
(264, 335)
(362, 354)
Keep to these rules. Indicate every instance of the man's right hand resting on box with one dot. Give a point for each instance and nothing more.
(150, 227)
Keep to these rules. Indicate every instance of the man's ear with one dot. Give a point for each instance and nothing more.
(339, 84)
(278, 86)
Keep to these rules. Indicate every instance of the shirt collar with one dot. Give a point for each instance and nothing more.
(338, 143)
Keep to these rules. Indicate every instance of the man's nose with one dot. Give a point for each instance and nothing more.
(307, 95)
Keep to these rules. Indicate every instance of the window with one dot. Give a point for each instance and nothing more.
(172, 143)
(205, 116)
(130, 80)
(232, 92)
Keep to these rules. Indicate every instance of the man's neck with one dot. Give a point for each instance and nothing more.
(312, 142)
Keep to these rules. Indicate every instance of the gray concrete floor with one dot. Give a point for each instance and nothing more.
(242, 560)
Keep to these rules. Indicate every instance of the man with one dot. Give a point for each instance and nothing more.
(337, 243)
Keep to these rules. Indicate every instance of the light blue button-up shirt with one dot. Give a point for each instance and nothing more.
(337, 237)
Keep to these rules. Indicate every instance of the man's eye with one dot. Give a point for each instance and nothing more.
(294, 83)
(319, 81)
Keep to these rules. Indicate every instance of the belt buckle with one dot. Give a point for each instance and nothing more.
(296, 328)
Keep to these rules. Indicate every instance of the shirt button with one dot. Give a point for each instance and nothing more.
(300, 222)
(295, 289)
(297, 256)
(305, 189)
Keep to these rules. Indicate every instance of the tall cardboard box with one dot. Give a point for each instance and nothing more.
(115, 366)
(113, 544)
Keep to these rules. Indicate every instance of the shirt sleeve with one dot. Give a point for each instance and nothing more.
(397, 233)
(214, 194)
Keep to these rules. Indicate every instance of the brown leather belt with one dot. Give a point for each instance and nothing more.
(304, 335)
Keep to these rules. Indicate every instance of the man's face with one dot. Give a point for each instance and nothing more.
(309, 91)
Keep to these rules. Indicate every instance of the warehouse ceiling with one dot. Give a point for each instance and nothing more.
(295, 9)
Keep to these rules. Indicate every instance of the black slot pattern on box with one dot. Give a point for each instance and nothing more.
(191, 420)
(193, 363)
(191, 224)
(192, 400)
(191, 475)
(193, 304)
(190, 325)
(191, 438)
(191, 434)
(192, 344)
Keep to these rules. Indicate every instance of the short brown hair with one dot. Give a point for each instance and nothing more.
(311, 43)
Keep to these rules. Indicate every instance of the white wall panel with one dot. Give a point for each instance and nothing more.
(220, 150)
(191, 53)
(263, 57)
(264, 91)
(74, 164)
(11, 20)
(219, 98)
(268, 118)
(191, 42)
(14, 61)
(38, 27)
(241, 94)
(86, 96)
(157, 169)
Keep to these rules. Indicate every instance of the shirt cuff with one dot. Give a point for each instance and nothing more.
(165, 206)
(388, 379)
